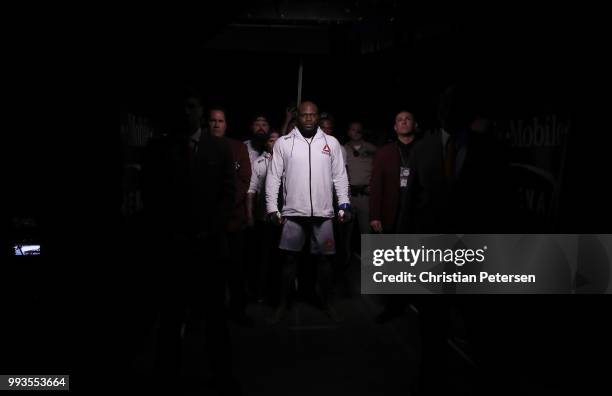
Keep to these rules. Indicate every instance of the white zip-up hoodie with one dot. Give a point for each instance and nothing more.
(310, 170)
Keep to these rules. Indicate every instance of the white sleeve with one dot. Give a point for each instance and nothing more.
(261, 182)
(273, 178)
(256, 179)
(339, 176)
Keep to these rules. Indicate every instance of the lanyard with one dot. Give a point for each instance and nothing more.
(402, 158)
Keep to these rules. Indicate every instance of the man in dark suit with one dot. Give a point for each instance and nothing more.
(189, 193)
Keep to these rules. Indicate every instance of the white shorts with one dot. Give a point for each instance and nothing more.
(320, 231)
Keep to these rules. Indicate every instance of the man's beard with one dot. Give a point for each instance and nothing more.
(307, 133)
(259, 142)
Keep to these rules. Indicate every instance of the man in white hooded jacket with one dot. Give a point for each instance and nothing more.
(310, 166)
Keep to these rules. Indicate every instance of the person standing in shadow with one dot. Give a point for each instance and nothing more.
(191, 189)
(457, 185)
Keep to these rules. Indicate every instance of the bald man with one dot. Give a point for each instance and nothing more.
(310, 166)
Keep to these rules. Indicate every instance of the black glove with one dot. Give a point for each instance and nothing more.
(345, 213)
(276, 218)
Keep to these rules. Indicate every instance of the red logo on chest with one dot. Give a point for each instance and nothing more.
(326, 150)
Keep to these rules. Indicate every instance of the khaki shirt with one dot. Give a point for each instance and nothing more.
(360, 167)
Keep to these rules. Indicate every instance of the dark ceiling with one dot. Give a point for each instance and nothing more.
(363, 57)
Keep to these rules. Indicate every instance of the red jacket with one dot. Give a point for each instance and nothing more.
(242, 166)
(385, 186)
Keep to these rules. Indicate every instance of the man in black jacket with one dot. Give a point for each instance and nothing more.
(189, 193)
(456, 186)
